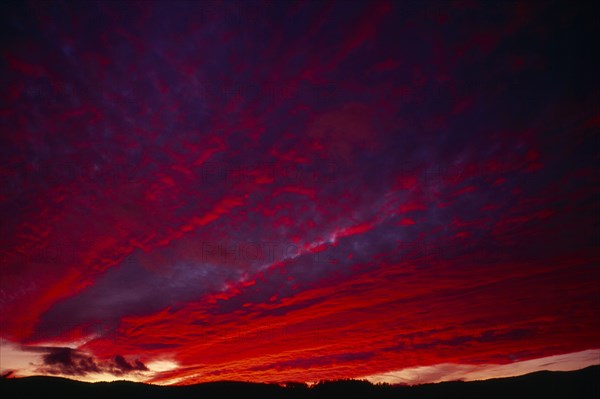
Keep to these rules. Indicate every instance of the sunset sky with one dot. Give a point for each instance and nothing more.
(270, 191)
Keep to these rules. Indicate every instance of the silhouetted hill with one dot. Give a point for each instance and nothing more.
(544, 384)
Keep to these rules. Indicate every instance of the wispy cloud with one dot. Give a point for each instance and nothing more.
(217, 193)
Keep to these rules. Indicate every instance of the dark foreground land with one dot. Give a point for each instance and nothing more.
(545, 384)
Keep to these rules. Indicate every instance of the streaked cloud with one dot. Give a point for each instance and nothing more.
(219, 193)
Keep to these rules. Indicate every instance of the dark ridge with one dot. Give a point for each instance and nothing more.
(583, 383)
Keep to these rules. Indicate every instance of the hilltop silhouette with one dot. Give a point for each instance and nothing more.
(583, 383)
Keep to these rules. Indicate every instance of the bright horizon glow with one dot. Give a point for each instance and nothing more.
(452, 372)
(22, 361)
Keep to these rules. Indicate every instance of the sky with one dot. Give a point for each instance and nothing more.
(271, 191)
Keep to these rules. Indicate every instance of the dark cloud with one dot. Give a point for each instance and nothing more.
(68, 361)
(122, 366)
